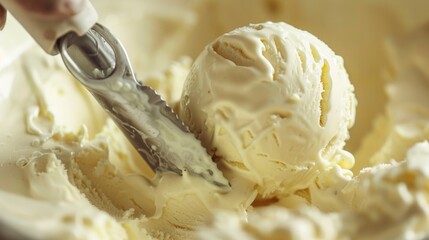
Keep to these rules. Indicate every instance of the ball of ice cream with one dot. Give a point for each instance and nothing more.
(274, 101)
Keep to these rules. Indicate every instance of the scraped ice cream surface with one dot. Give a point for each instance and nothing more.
(272, 104)
(273, 101)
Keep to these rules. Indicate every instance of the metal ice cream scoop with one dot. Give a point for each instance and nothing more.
(99, 61)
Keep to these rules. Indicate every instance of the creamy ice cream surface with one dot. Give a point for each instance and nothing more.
(272, 103)
(386, 202)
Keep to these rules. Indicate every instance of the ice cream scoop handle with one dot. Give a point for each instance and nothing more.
(47, 30)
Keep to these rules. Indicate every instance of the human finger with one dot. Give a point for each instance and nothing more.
(3, 15)
(52, 9)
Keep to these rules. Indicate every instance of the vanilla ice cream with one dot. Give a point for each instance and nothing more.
(389, 201)
(74, 171)
(406, 118)
(274, 101)
(274, 223)
(67, 172)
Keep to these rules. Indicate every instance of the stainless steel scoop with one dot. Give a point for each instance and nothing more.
(99, 61)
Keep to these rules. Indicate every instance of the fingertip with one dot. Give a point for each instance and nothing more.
(3, 15)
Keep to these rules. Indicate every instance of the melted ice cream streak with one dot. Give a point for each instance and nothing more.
(100, 63)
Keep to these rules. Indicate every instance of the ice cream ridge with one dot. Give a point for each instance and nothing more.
(273, 106)
(274, 102)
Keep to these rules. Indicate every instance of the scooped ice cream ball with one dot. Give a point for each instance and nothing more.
(273, 101)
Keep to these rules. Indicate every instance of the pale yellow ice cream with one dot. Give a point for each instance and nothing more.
(389, 201)
(79, 184)
(405, 119)
(274, 223)
(386, 200)
(274, 101)
(66, 171)
(75, 171)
